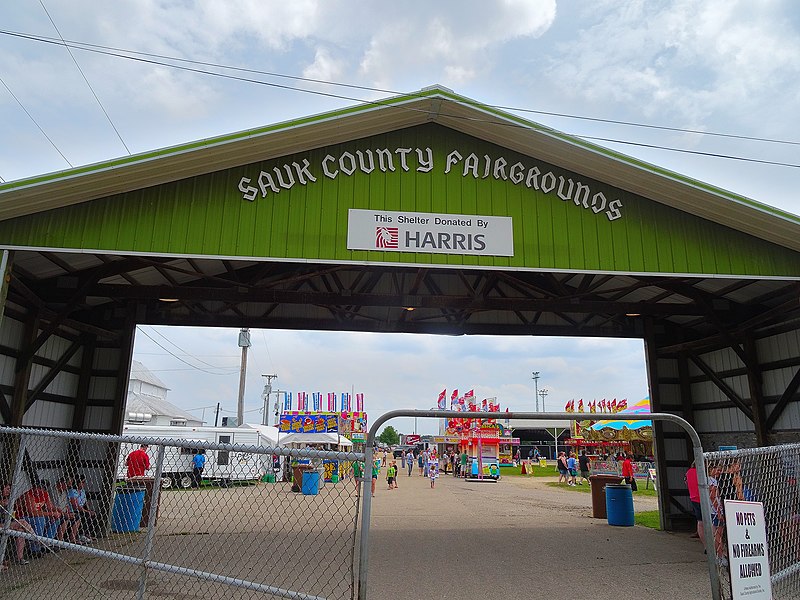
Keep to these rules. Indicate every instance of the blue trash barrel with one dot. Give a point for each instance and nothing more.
(619, 505)
(126, 513)
(310, 483)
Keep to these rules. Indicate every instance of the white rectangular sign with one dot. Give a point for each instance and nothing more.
(747, 550)
(389, 231)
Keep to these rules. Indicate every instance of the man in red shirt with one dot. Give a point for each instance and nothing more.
(138, 462)
(37, 509)
(627, 472)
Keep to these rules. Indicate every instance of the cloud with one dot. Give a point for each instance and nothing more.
(455, 44)
(325, 67)
(689, 59)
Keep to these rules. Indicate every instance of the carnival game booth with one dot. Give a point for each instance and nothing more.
(334, 470)
(322, 430)
(482, 443)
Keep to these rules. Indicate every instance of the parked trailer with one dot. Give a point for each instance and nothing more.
(222, 466)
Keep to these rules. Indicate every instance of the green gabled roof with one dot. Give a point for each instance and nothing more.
(430, 105)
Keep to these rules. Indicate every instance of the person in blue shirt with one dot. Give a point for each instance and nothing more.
(198, 464)
(572, 468)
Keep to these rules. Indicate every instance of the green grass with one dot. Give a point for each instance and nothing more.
(570, 488)
(587, 488)
(548, 471)
(648, 518)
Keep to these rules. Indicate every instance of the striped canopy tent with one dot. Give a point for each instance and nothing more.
(625, 430)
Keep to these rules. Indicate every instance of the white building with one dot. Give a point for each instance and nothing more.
(147, 401)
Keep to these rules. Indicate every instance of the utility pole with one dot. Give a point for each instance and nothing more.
(535, 377)
(543, 393)
(266, 394)
(244, 344)
(216, 416)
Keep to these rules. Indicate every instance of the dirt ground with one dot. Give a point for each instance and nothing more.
(520, 538)
(514, 538)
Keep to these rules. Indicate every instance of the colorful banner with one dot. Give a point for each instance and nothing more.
(309, 423)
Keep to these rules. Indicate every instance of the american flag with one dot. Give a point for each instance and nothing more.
(360, 402)
(331, 401)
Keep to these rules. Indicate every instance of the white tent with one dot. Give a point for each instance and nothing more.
(314, 439)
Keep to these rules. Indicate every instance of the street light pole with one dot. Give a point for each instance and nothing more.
(535, 377)
(543, 393)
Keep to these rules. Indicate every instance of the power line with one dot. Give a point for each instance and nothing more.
(91, 89)
(52, 143)
(698, 152)
(154, 330)
(180, 359)
(112, 51)
(391, 105)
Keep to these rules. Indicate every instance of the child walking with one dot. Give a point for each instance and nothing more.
(433, 471)
(391, 471)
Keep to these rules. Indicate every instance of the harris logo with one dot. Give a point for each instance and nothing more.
(387, 237)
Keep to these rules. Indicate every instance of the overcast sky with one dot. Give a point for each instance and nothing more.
(718, 66)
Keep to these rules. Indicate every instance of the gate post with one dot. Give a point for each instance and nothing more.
(16, 488)
(151, 522)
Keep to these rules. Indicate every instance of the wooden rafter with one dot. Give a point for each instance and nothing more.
(724, 387)
(784, 400)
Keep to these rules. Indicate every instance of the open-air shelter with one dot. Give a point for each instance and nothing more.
(423, 213)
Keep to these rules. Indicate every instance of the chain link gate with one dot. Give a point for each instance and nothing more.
(697, 450)
(769, 475)
(95, 533)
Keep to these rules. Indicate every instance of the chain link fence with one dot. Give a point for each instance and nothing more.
(94, 516)
(768, 475)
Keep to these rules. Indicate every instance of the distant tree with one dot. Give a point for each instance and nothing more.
(389, 436)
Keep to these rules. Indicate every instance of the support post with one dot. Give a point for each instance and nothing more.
(151, 522)
(754, 382)
(6, 263)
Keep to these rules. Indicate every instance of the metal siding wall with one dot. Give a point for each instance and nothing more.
(775, 382)
(98, 418)
(10, 336)
(102, 390)
(49, 415)
(64, 384)
(775, 348)
(206, 215)
(11, 332)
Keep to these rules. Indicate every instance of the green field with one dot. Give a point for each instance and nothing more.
(548, 471)
(586, 489)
